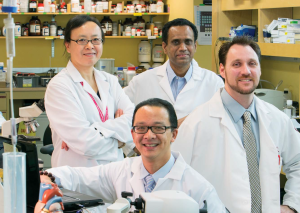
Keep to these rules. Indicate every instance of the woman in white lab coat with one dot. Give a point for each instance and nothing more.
(90, 115)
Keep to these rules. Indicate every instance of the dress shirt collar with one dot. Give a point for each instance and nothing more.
(161, 173)
(171, 74)
(235, 109)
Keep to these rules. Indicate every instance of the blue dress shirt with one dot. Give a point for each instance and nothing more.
(177, 83)
(161, 173)
(236, 112)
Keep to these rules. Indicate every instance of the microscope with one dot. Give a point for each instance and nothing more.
(164, 201)
(27, 114)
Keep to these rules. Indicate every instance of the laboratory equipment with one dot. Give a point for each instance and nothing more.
(164, 201)
(271, 96)
(27, 114)
(106, 64)
(11, 199)
(289, 110)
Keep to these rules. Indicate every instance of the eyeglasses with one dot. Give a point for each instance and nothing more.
(154, 129)
(94, 41)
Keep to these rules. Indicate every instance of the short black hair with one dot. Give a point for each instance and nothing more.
(78, 21)
(239, 40)
(157, 102)
(178, 22)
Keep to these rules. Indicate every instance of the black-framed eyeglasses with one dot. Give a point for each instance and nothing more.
(154, 129)
(94, 41)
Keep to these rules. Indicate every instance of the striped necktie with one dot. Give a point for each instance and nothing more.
(253, 168)
(150, 183)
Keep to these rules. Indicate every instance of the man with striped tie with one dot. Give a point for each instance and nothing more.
(154, 130)
(239, 143)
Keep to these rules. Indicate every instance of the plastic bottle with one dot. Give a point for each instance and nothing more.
(17, 29)
(75, 6)
(47, 4)
(158, 54)
(120, 75)
(289, 110)
(125, 76)
(144, 51)
(160, 6)
(41, 8)
(153, 7)
(287, 95)
(53, 28)
(130, 74)
(88, 6)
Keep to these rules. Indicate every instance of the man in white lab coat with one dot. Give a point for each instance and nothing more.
(180, 80)
(154, 129)
(239, 143)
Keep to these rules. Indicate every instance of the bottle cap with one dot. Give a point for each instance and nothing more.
(289, 102)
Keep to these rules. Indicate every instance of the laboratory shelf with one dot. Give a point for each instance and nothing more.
(230, 5)
(103, 14)
(280, 50)
(61, 37)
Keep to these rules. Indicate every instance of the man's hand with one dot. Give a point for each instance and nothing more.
(285, 209)
(64, 146)
(181, 120)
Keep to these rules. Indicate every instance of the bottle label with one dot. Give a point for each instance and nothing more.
(32, 28)
(158, 54)
(144, 51)
(37, 28)
(46, 31)
(108, 26)
(53, 30)
(32, 5)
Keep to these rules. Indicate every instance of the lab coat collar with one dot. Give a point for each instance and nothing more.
(216, 109)
(176, 173)
(164, 81)
(102, 84)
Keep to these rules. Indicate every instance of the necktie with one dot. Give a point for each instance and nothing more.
(150, 183)
(253, 169)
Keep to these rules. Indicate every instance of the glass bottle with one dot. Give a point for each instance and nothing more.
(45, 30)
(34, 26)
(289, 110)
(108, 25)
(32, 6)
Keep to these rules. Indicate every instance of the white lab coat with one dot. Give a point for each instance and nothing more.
(75, 119)
(109, 181)
(210, 143)
(155, 84)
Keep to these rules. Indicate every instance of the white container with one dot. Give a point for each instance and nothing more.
(23, 6)
(289, 110)
(87, 6)
(145, 65)
(144, 51)
(125, 76)
(93, 8)
(47, 4)
(131, 9)
(138, 8)
(52, 8)
(99, 7)
(156, 65)
(160, 6)
(158, 54)
(41, 8)
(138, 32)
(155, 31)
(17, 30)
(133, 31)
(2, 75)
(75, 6)
(105, 6)
(148, 32)
(153, 8)
(106, 64)
(130, 75)
(119, 8)
(128, 31)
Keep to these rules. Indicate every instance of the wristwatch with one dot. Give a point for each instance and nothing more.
(292, 209)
